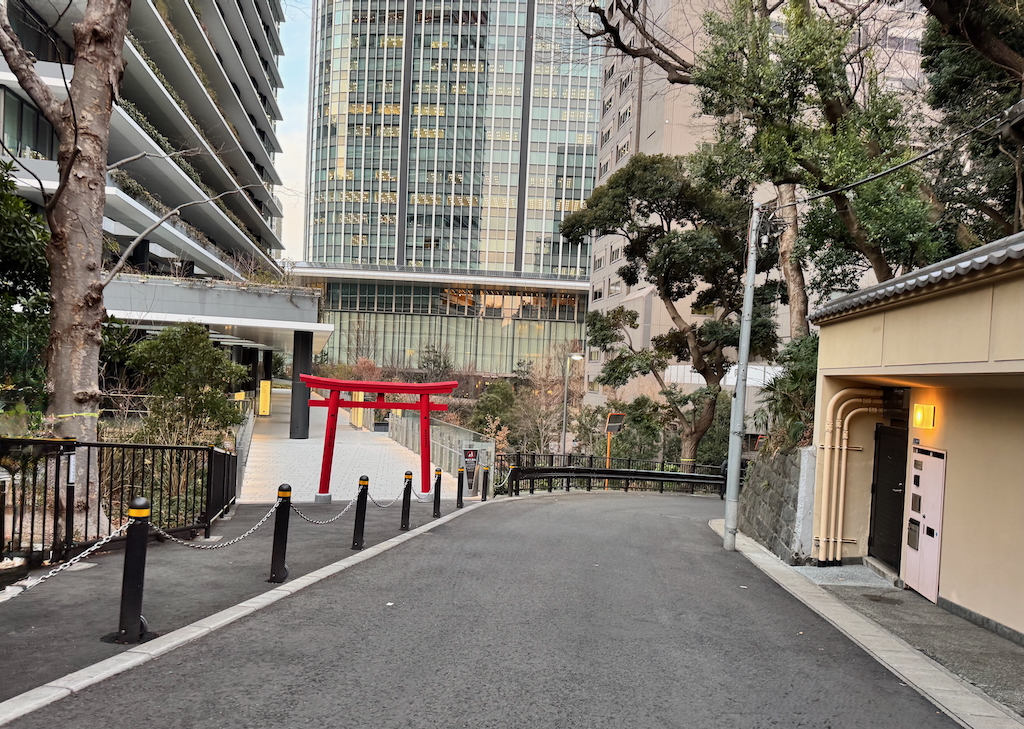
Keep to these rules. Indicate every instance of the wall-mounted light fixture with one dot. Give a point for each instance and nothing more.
(924, 416)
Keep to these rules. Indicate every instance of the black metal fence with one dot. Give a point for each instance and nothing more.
(59, 496)
(548, 470)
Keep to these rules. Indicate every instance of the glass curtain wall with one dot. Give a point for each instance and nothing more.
(451, 136)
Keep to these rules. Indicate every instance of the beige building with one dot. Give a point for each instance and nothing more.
(920, 427)
(641, 112)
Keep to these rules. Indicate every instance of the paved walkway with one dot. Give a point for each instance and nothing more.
(274, 459)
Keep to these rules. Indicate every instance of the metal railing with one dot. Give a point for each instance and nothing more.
(613, 473)
(58, 497)
(446, 441)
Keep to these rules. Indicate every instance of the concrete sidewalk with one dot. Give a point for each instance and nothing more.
(274, 459)
(974, 675)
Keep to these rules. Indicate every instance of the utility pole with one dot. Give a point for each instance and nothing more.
(739, 402)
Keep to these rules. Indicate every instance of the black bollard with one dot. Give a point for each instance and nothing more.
(567, 484)
(532, 485)
(406, 500)
(483, 483)
(551, 484)
(278, 569)
(513, 481)
(357, 533)
(437, 493)
(458, 492)
(131, 626)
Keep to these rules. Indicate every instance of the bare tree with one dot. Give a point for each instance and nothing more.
(74, 210)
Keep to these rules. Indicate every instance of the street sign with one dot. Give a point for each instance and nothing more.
(614, 423)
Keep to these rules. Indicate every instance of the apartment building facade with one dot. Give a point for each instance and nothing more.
(446, 144)
(198, 109)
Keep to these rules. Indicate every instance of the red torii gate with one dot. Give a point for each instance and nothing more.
(336, 387)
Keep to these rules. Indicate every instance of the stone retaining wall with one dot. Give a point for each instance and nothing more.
(777, 503)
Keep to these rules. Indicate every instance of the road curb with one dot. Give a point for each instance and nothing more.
(960, 700)
(67, 685)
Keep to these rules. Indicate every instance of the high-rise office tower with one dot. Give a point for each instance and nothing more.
(447, 141)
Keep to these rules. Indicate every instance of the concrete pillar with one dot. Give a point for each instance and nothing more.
(302, 364)
(268, 364)
(139, 259)
(236, 354)
(254, 367)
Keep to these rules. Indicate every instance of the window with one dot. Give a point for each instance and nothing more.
(592, 386)
(598, 263)
(625, 114)
(603, 169)
(607, 105)
(609, 72)
(595, 355)
(622, 150)
(598, 292)
(625, 82)
(605, 136)
(616, 253)
(614, 288)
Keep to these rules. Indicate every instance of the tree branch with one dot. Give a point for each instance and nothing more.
(143, 155)
(22, 64)
(677, 69)
(960, 18)
(9, 153)
(65, 175)
(160, 221)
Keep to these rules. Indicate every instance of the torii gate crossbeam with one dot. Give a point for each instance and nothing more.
(421, 389)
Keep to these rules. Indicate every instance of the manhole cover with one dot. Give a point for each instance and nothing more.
(884, 600)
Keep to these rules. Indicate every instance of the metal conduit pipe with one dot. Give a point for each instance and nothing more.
(831, 527)
(843, 452)
(828, 446)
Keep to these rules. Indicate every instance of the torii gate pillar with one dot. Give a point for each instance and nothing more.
(380, 389)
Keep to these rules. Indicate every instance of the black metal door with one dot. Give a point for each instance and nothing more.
(887, 487)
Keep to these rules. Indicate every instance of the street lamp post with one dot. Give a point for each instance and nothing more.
(565, 394)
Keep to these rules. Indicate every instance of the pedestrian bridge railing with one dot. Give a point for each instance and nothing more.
(549, 470)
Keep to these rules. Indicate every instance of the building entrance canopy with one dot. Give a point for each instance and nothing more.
(423, 390)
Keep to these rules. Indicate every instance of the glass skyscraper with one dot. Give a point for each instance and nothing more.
(447, 141)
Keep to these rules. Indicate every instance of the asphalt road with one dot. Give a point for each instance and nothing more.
(587, 610)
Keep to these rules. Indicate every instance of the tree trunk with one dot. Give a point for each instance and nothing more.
(792, 270)
(879, 266)
(75, 251)
(703, 416)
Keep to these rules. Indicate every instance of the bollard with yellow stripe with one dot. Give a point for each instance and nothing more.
(131, 626)
(458, 492)
(139, 509)
(437, 493)
(357, 532)
(278, 569)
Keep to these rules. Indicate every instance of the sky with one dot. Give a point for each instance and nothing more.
(293, 100)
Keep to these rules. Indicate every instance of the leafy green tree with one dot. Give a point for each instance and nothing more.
(980, 181)
(189, 378)
(787, 400)
(436, 363)
(496, 402)
(24, 304)
(799, 106)
(689, 240)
